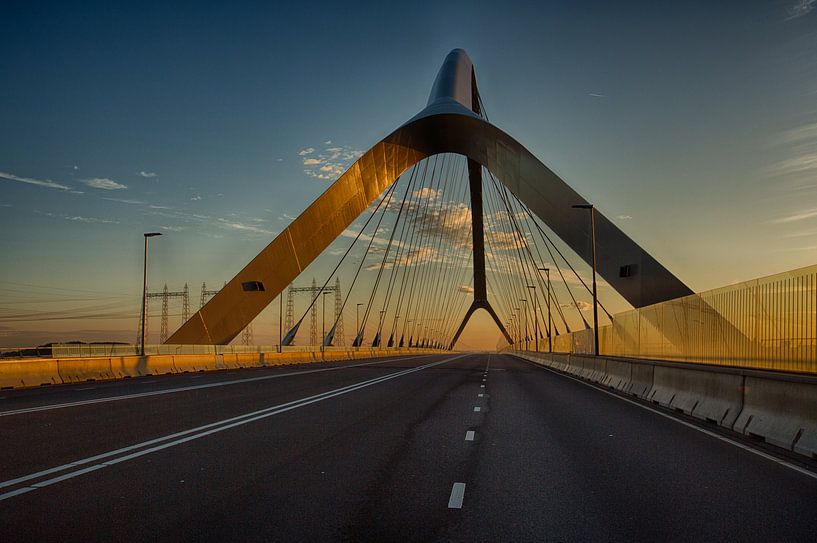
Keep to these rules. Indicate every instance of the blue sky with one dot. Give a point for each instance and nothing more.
(692, 124)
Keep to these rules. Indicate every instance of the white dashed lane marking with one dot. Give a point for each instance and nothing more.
(457, 494)
(469, 435)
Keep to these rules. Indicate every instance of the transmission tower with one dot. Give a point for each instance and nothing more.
(340, 338)
(290, 320)
(165, 295)
(313, 320)
(314, 291)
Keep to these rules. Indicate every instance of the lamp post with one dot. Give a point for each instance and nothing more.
(145, 292)
(527, 338)
(550, 328)
(595, 299)
(535, 318)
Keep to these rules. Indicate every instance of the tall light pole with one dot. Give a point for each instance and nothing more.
(527, 338)
(550, 328)
(535, 318)
(145, 292)
(280, 321)
(595, 298)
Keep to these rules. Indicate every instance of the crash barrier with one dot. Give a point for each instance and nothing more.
(52, 371)
(778, 407)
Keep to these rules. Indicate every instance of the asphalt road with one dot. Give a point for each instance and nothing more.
(445, 447)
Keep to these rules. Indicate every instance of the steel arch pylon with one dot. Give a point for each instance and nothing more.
(448, 124)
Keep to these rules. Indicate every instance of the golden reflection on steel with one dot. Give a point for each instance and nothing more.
(446, 125)
(768, 323)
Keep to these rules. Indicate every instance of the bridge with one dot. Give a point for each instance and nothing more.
(619, 404)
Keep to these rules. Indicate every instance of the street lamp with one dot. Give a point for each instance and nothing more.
(550, 328)
(595, 299)
(527, 339)
(535, 318)
(145, 292)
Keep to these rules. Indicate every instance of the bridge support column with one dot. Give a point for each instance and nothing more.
(478, 251)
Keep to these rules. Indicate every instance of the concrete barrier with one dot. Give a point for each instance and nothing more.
(129, 366)
(641, 376)
(618, 375)
(34, 372)
(782, 412)
(709, 395)
(77, 370)
(160, 364)
(29, 373)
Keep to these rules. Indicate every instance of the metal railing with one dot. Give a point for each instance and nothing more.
(767, 323)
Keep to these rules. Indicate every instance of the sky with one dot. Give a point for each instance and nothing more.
(692, 125)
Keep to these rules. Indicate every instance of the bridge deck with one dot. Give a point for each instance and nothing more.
(373, 451)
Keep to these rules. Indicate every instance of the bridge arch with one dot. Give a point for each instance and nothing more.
(448, 124)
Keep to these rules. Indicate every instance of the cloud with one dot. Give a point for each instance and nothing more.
(286, 217)
(195, 198)
(799, 9)
(30, 181)
(173, 228)
(623, 217)
(124, 201)
(581, 304)
(143, 173)
(427, 193)
(330, 163)
(328, 142)
(79, 218)
(799, 216)
(466, 289)
(104, 183)
(232, 225)
(596, 95)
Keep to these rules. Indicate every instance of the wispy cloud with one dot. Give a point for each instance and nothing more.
(31, 181)
(798, 216)
(234, 225)
(143, 173)
(596, 95)
(173, 228)
(329, 163)
(623, 217)
(104, 183)
(195, 198)
(124, 201)
(79, 218)
(799, 9)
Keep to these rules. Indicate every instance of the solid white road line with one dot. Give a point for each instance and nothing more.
(469, 435)
(203, 431)
(477, 409)
(720, 437)
(457, 494)
(188, 388)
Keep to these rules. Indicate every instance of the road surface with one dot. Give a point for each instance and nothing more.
(455, 447)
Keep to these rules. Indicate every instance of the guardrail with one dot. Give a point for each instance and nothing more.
(767, 323)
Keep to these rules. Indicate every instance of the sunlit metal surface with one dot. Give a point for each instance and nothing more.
(446, 125)
(768, 323)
